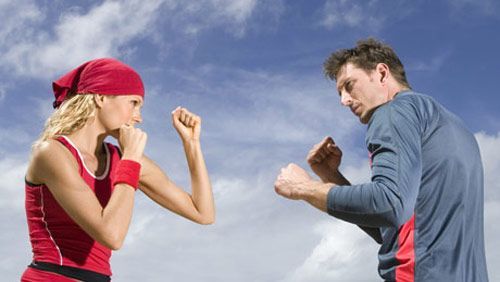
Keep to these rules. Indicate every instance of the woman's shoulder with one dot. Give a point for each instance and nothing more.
(47, 149)
(46, 156)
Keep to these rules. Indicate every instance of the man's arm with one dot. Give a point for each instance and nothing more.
(394, 140)
(324, 159)
(373, 232)
(389, 199)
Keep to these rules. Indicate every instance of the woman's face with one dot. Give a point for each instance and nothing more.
(118, 110)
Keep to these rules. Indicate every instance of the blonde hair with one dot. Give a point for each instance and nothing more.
(71, 116)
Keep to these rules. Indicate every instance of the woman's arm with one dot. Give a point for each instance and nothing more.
(53, 165)
(197, 206)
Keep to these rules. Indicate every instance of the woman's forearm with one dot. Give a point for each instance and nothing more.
(200, 182)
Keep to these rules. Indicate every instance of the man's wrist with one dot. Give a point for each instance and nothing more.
(317, 194)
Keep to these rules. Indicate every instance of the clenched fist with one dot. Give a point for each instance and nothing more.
(187, 124)
(132, 142)
(292, 182)
(324, 159)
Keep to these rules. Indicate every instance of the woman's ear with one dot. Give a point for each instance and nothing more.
(99, 100)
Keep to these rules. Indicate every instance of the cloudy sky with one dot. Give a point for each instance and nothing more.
(253, 70)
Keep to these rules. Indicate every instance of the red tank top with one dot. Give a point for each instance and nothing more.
(54, 236)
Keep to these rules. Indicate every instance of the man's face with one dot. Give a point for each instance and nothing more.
(362, 92)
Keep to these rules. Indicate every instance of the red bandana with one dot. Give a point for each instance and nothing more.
(104, 76)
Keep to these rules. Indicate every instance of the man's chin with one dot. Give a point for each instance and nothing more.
(365, 117)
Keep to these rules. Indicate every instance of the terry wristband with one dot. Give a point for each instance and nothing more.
(127, 171)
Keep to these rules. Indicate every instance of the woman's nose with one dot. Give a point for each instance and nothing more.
(137, 117)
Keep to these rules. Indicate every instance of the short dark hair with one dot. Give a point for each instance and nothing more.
(366, 55)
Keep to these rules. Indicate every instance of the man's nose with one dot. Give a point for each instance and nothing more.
(345, 99)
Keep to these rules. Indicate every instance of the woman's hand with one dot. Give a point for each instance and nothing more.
(187, 124)
(132, 142)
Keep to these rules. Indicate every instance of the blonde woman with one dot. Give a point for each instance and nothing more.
(80, 190)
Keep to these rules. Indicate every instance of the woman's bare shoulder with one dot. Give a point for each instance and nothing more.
(45, 156)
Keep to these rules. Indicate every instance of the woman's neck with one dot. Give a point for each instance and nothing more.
(89, 139)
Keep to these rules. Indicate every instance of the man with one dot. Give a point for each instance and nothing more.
(424, 203)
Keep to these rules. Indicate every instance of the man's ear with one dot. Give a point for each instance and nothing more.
(383, 72)
(99, 100)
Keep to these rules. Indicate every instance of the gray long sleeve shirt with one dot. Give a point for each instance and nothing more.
(425, 196)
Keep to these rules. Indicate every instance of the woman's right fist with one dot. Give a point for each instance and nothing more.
(187, 124)
(132, 142)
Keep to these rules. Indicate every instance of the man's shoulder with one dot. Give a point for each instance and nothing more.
(406, 108)
(411, 97)
(403, 103)
(413, 104)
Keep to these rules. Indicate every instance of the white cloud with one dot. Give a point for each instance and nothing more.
(489, 146)
(17, 19)
(12, 171)
(195, 17)
(348, 13)
(372, 15)
(273, 108)
(360, 173)
(107, 30)
(79, 37)
(492, 243)
(344, 251)
(490, 153)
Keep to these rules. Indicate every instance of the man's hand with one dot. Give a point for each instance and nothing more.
(324, 159)
(295, 183)
(292, 182)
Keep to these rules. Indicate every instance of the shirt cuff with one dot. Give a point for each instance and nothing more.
(330, 201)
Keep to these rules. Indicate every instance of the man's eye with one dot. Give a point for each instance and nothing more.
(348, 86)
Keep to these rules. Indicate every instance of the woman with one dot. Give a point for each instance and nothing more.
(80, 190)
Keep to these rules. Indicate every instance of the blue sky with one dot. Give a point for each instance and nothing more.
(253, 71)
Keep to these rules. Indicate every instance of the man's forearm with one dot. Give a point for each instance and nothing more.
(316, 194)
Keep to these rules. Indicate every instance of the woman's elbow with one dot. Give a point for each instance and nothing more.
(206, 219)
(115, 245)
(112, 240)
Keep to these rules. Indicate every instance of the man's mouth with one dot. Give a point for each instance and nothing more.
(354, 109)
